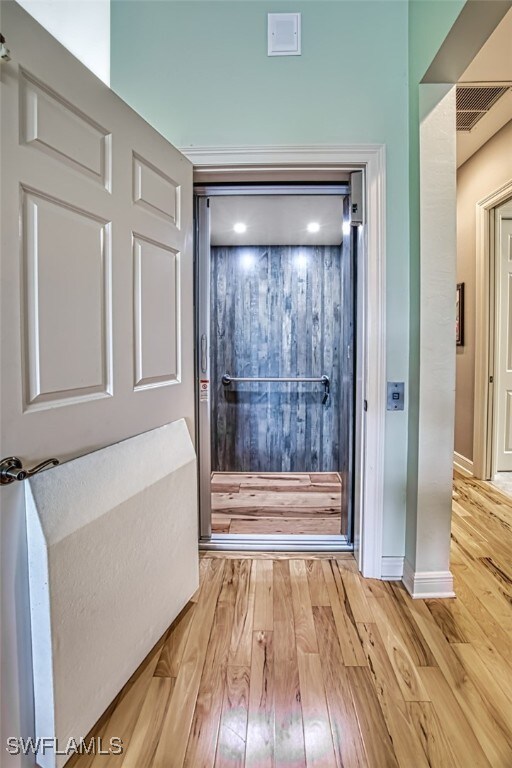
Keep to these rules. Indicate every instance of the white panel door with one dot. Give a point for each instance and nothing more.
(503, 424)
(96, 290)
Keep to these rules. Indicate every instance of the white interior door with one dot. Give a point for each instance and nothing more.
(96, 290)
(503, 397)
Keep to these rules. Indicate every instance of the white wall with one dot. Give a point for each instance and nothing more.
(82, 26)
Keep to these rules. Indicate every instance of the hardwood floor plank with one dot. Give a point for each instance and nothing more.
(123, 719)
(402, 620)
(294, 526)
(449, 618)
(233, 727)
(376, 588)
(205, 725)
(241, 636)
(283, 503)
(260, 725)
(264, 596)
(350, 642)
(436, 746)
(499, 700)
(486, 589)
(289, 733)
(179, 716)
(221, 527)
(324, 477)
(356, 596)
(485, 621)
(317, 586)
(465, 746)
(317, 729)
(377, 741)
(347, 740)
(305, 635)
(220, 487)
(146, 733)
(496, 744)
(169, 661)
(326, 489)
(403, 735)
(248, 477)
(403, 666)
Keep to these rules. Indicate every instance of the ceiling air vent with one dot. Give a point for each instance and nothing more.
(474, 101)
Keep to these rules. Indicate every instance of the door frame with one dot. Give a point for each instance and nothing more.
(310, 163)
(485, 331)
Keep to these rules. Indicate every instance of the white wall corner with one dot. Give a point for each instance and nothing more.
(427, 584)
(463, 465)
(438, 248)
(392, 568)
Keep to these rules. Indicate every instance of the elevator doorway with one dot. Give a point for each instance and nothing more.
(276, 320)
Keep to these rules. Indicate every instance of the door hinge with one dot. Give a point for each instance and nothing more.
(365, 405)
(491, 379)
(4, 51)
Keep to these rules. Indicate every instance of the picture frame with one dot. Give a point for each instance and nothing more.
(459, 315)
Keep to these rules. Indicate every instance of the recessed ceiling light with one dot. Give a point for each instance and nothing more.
(346, 228)
(240, 228)
(313, 226)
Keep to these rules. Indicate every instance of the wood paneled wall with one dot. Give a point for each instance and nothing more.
(281, 311)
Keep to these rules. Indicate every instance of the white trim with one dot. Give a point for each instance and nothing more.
(461, 464)
(484, 337)
(392, 568)
(428, 584)
(371, 158)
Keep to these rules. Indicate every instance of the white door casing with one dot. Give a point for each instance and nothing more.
(300, 163)
(503, 366)
(96, 291)
(483, 433)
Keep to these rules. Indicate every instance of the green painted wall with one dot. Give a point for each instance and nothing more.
(429, 23)
(199, 72)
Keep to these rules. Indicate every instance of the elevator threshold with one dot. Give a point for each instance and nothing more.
(275, 543)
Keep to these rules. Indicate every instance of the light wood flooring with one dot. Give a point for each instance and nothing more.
(289, 503)
(298, 661)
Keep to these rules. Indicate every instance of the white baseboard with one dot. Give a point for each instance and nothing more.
(421, 585)
(461, 464)
(392, 568)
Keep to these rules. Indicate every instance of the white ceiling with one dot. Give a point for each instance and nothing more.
(276, 219)
(492, 64)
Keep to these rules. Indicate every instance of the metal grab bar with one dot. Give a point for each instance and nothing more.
(227, 379)
(325, 380)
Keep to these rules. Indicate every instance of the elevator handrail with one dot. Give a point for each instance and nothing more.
(227, 378)
(324, 379)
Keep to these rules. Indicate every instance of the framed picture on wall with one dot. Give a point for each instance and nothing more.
(459, 315)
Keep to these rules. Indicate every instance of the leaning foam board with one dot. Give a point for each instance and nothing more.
(113, 558)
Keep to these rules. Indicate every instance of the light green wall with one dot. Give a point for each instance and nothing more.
(429, 23)
(199, 72)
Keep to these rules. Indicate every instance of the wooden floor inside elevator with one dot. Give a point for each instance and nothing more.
(271, 503)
